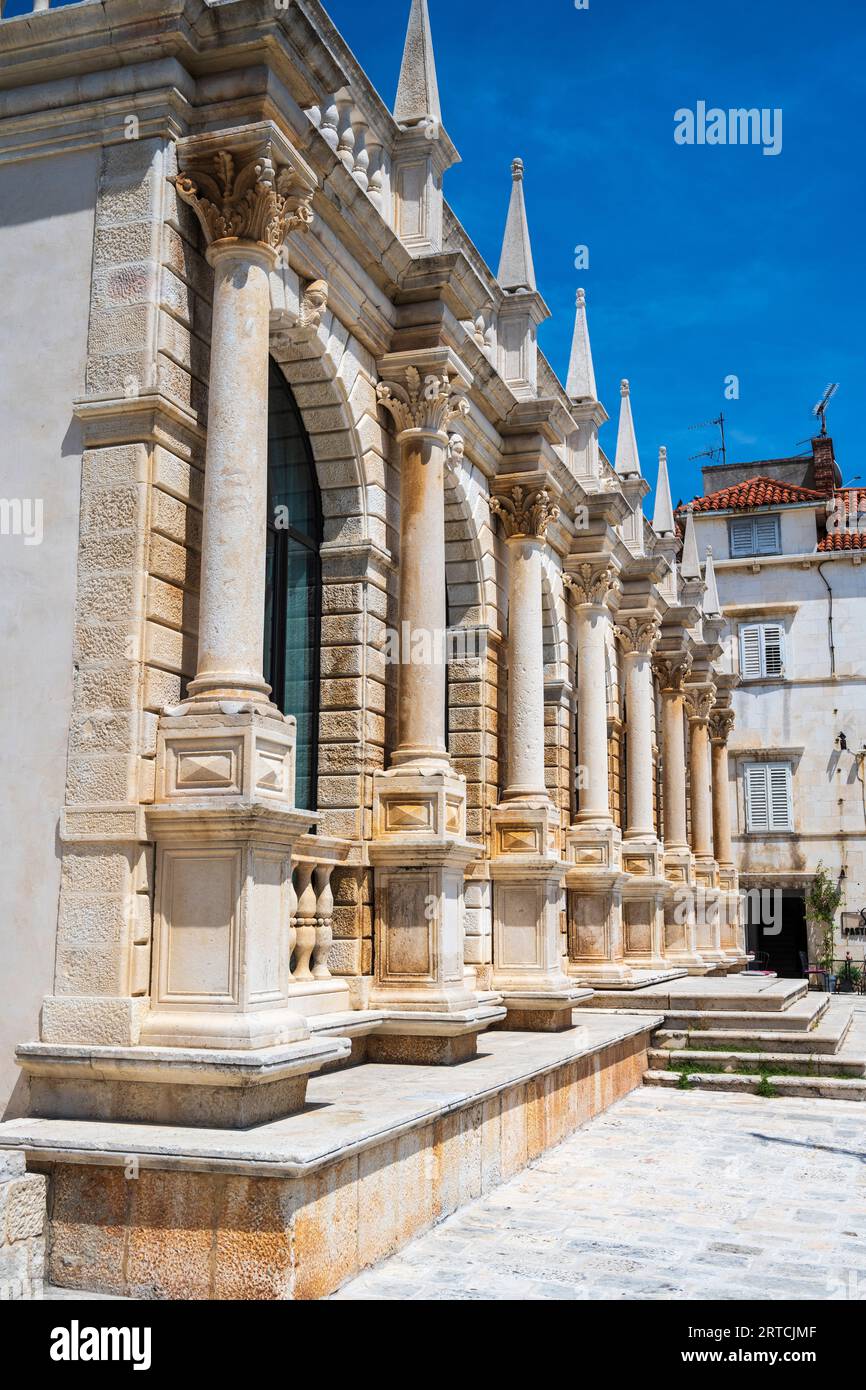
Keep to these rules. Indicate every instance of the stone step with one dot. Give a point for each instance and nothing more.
(804, 1087)
(806, 1064)
(704, 995)
(802, 1017)
(827, 1037)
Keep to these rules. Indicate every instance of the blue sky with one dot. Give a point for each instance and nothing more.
(704, 261)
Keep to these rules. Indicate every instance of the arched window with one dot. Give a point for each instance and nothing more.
(294, 579)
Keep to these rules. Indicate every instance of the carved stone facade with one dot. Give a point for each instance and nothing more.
(494, 635)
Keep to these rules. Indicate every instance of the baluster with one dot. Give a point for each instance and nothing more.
(362, 157)
(306, 921)
(324, 921)
(376, 179)
(293, 908)
(331, 123)
(314, 113)
(346, 145)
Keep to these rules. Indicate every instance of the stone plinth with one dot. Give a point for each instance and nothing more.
(679, 912)
(643, 901)
(229, 1089)
(22, 1229)
(528, 947)
(291, 1210)
(594, 880)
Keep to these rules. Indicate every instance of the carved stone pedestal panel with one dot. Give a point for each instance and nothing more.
(643, 899)
(528, 945)
(594, 880)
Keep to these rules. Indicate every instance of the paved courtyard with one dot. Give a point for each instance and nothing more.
(669, 1194)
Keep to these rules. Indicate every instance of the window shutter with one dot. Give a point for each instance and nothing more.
(766, 535)
(774, 649)
(757, 800)
(750, 651)
(780, 797)
(741, 537)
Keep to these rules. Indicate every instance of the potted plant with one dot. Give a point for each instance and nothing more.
(822, 903)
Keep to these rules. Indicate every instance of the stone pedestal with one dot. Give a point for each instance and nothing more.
(594, 880)
(528, 946)
(699, 701)
(643, 902)
(526, 866)
(419, 848)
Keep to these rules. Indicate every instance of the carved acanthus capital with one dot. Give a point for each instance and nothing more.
(671, 671)
(699, 701)
(244, 190)
(524, 511)
(426, 402)
(639, 635)
(591, 584)
(721, 725)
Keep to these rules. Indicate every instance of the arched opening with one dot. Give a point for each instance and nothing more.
(293, 603)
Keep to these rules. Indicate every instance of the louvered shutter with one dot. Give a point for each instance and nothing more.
(750, 651)
(779, 776)
(741, 537)
(766, 535)
(774, 649)
(757, 798)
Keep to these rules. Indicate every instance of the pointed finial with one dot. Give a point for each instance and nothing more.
(516, 271)
(627, 459)
(580, 384)
(663, 512)
(712, 606)
(690, 564)
(418, 91)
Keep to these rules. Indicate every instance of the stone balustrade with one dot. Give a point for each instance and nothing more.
(362, 146)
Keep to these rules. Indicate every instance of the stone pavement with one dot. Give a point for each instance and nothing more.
(667, 1195)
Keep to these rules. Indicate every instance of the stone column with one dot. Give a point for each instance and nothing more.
(721, 724)
(680, 929)
(645, 889)
(594, 843)
(699, 700)
(525, 866)
(419, 848)
(224, 1043)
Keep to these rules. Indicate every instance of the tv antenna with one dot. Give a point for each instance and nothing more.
(721, 449)
(820, 410)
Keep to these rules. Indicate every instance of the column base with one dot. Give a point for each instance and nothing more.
(643, 900)
(429, 1038)
(594, 880)
(199, 1087)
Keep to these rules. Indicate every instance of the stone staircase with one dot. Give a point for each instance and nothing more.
(772, 1041)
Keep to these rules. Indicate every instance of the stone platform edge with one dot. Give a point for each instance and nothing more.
(178, 1225)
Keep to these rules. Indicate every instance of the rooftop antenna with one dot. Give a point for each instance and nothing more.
(820, 410)
(721, 449)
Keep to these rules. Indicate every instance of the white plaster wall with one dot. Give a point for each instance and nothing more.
(46, 240)
(805, 711)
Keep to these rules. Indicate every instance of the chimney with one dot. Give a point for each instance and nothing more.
(826, 476)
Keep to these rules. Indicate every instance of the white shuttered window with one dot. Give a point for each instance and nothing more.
(769, 804)
(762, 650)
(754, 535)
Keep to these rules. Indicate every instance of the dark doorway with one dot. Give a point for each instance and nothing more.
(776, 929)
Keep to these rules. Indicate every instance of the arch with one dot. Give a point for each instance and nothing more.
(293, 603)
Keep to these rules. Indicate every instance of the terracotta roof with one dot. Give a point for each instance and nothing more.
(843, 540)
(755, 492)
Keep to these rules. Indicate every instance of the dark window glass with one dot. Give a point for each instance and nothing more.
(294, 579)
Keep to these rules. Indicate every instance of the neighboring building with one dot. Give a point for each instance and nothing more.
(788, 541)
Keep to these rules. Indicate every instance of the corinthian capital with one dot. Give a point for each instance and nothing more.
(639, 635)
(246, 184)
(524, 511)
(671, 671)
(721, 724)
(591, 584)
(423, 400)
(699, 701)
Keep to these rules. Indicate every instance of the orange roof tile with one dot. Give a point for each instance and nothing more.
(754, 492)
